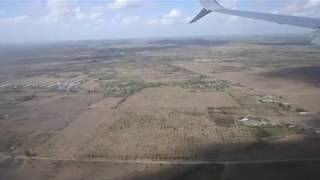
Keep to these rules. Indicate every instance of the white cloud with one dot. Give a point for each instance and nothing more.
(130, 19)
(88, 16)
(175, 13)
(313, 3)
(230, 3)
(67, 9)
(122, 4)
(14, 20)
(306, 7)
(58, 9)
(95, 15)
(119, 19)
(173, 17)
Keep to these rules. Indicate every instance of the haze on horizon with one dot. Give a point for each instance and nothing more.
(59, 20)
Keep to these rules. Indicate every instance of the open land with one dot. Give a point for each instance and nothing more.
(162, 109)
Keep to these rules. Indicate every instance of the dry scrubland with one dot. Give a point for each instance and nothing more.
(155, 102)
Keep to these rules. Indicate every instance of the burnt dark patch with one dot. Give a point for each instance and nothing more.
(188, 42)
(308, 74)
(222, 117)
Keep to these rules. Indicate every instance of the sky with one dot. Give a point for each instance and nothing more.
(60, 20)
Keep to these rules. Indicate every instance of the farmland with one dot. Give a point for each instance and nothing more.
(149, 101)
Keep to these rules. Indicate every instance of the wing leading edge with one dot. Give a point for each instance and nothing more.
(213, 5)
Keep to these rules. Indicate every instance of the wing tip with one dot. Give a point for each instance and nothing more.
(201, 14)
(211, 4)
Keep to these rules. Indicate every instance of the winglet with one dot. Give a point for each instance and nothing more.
(208, 7)
(202, 13)
(212, 5)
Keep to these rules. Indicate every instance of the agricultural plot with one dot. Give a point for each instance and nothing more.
(175, 128)
(161, 139)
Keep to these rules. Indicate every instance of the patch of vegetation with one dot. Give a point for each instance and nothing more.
(269, 133)
(203, 84)
(285, 107)
(30, 153)
(194, 113)
(104, 76)
(99, 151)
(167, 59)
(300, 110)
(169, 69)
(128, 78)
(26, 98)
(119, 89)
(122, 89)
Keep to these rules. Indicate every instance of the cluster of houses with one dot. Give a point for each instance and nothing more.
(72, 85)
(68, 86)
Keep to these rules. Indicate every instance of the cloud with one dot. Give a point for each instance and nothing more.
(66, 9)
(306, 7)
(173, 17)
(88, 16)
(130, 19)
(120, 19)
(230, 3)
(60, 9)
(313, 3)
(14, 20)
(122, 4)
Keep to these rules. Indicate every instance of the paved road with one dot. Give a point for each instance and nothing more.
(146, 161)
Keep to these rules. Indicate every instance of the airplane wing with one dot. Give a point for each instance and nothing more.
(213, 5)
(202, 13)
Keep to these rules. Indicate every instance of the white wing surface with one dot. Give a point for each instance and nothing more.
(213, 5)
